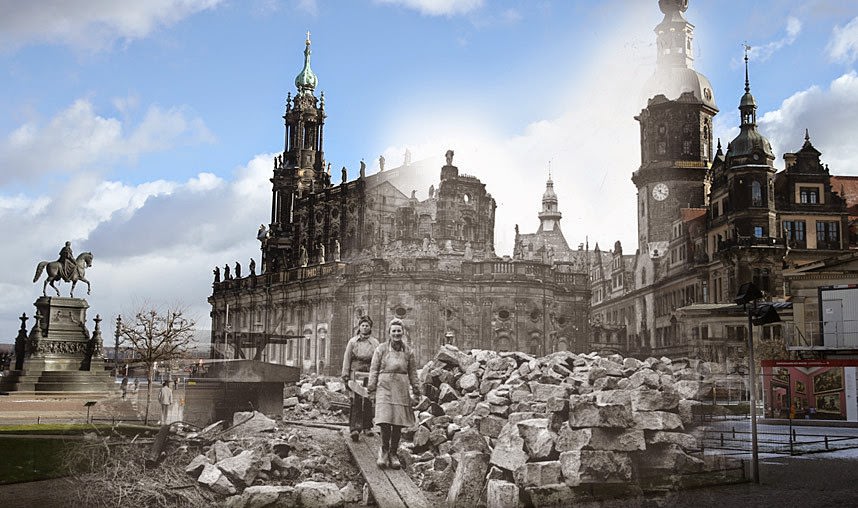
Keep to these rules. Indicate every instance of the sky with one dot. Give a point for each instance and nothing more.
(144, 132)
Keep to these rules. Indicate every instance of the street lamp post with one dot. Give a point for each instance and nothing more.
(116, 346)
(748, 295)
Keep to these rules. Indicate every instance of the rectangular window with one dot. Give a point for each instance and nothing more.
(827, 235)
(759, 231)
(809, 195)
(794, 233)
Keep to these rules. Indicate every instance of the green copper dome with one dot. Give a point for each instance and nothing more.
(306, 80)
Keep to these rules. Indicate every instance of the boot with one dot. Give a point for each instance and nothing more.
(394, 460)
(382, 461)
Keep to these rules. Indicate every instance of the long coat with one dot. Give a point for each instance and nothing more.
(392, 376)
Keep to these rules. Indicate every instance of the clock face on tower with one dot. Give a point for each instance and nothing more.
(660, 192)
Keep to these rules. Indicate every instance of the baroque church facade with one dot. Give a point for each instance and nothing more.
(412, 242)
(710, 220)
(417, 242)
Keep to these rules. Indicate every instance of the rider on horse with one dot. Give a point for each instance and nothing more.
(67, 262)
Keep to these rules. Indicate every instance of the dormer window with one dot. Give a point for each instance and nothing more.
(809, 195)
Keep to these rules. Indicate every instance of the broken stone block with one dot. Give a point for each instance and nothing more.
(538, 440)
(669, 458)
(569, 439)
(588, 414)
(500, 368)
(214, 479)
(606, 383)
(612, 397)
(697, 390)
(499, 410)
(520, 416)
(495, 398)
(350, 493)
(219, 451)
(501, 494)
(644, 377)
(248, 422)
(491, 425)
(335, 386)
(263, 496)
(595, 466)
(542, 392)
(470, 440)
(197, 465)
(452, 408)
(554, 495)
(646, 399)
(442, 462)
(421, 438)
(686, 441)
(656, 420)
(521, 394)
(240, 469)
(312, 494)
(447, 394)
(508, 452)
(488, 385)
(469, 383)
(468, 481)
(538, 473)
(437, 436)
(618, 440)
(290, 402)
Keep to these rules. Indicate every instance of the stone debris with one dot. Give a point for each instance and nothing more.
(507, 428)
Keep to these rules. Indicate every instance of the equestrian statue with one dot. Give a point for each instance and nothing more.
(66, 268)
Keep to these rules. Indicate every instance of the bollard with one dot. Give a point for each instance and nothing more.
(826, 442)
(722, 440)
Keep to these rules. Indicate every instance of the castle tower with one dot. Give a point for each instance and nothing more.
(676, 132)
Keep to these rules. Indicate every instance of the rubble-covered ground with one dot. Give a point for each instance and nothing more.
(497, 429)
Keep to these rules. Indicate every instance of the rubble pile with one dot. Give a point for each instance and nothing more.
(499, 428)
(255, 464)
(315, 396)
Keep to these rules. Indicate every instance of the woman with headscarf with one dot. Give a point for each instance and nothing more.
(356, 362)
(393, 378)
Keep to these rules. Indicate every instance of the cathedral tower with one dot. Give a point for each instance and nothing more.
(300, 169)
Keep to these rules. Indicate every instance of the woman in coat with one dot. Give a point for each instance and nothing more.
(356, 362)
(392, 378)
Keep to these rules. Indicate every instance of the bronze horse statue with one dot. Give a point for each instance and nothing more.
(81, 263)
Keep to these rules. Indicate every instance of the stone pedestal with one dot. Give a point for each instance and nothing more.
(60, 354)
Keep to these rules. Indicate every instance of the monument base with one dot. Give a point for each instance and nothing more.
(61, 356)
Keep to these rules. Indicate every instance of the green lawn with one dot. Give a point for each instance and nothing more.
(29, 456)
(27, 459)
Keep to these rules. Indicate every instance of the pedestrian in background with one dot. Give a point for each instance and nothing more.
(356, 363)
(124, 387)
(392, 379)
(165, 398)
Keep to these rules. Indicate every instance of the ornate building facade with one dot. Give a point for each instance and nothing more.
(411, 242)
(708, 221)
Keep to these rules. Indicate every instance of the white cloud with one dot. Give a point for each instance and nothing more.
(311, 7)
(437, 7)
(157, 240)
(79, 138)
(830, 115)
(592, 142)
(92, 24)
(763, 52)
(843, 46)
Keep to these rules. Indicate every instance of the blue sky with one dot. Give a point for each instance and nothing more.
(144, 131)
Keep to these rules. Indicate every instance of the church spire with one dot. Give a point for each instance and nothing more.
(306, 80)
(550, 215)
(748, 106)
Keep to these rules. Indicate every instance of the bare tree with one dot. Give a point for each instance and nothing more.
(156, 336)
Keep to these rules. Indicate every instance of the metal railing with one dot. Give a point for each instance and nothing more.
(822, 335)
